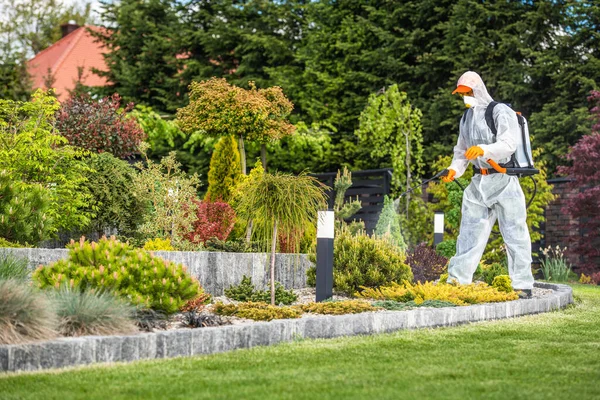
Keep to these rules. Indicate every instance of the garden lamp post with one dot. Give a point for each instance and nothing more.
(325, 234)
(438, 228)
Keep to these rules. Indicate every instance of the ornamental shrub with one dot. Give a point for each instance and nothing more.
(338, 307)
(24, 211)
(113, 202)
(460, 295)
(225, 170)
(246, 291)
(491, 271)
(213, 220)
(25, 314)
(133, 274)
(425, 263)
(158, 244)
(100, 126)
(389, 223)
(446, 248)
(256, 311)
(363, 260)
(584, 206)
(398, 306)
(503, 283)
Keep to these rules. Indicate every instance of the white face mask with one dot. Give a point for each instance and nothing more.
(470, 101)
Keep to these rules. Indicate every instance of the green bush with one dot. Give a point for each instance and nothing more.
(489, 272)
(158, 244)
(25, 314)
(363, 260)
(114, 204)
(133, 274)
(256, 311)
(503, 283)
(225, 170)
(13, 267)
(24, 211)
(447, 248)
(92, 312)
(245, 291)
(389, 223)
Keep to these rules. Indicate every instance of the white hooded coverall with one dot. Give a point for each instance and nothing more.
(490, 196)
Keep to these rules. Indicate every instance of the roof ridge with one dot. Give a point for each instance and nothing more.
(79, 31)
(94, 27)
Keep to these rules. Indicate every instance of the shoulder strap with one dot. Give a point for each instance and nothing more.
(489, 118)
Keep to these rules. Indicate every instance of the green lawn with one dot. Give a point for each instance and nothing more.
(549, 356)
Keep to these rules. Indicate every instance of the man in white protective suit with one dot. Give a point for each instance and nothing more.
(490, 195)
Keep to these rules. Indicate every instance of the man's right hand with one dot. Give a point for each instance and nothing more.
(450, 177)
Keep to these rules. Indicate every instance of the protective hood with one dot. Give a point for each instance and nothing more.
(474, 81)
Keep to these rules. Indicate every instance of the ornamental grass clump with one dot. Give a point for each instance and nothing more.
(338, 307)
(92, 312)
(460, 295)
(26, 314)
(554, 265)
(132, 274)
(257, 311)
(13, 267)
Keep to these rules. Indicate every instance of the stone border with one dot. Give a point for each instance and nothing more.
(69, 352)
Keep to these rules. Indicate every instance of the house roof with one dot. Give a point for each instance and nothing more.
(62, 59)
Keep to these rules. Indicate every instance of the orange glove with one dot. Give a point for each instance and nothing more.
(450, 177)
(473, 152)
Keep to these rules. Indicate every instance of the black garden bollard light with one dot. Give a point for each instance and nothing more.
(325, 234)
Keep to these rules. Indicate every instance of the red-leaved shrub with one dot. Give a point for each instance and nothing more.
(585, 205)
(99, 126)
(215, 219)
(425, 263)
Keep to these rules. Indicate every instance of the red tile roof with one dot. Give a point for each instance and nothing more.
(77, 49)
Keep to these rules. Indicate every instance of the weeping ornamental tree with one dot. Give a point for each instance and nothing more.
(217, 109)
(391, 128)
(279, 204)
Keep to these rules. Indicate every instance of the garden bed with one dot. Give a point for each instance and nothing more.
(177, 341)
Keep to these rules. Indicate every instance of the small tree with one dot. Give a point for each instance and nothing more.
(220, 109)
(585, 205)
(389, 224)
(279, 202)
(224, 172)
(345, 209)
(214, 220)
(100, 126)
(391, 128)
(168, 194)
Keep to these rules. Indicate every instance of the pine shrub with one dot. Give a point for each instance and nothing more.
(489, 272)
(256, 311)
(338, 307)
(363, 260)
(503, 283)
(158, 244)
(225, 170)
(425, 263)
(389, 223)
(13, 267)
(92, 312)
(25, 314)
(133, 274)
(447, 248)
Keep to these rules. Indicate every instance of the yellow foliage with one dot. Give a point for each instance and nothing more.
(338, 307)
(586, 280)
(461, 295)
(158, 244)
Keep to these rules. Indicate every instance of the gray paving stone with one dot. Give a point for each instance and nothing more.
(25, 357)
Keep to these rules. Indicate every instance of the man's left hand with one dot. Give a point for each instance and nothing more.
(473, 152)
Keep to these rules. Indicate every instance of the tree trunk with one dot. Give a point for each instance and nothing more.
(407, 172)
(273, 247)
(242, 154)
(263, 156)
(249, 231)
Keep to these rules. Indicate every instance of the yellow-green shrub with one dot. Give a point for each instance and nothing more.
(133, 274)
(258, 311)
(158, 244)
(338, 307)
(586, 280)
(503, 283)
(461, 295)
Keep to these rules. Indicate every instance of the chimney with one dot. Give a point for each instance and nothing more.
(68, 27)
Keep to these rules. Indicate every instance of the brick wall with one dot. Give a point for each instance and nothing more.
(559, 228)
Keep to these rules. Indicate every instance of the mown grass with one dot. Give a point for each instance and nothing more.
(549, 356)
